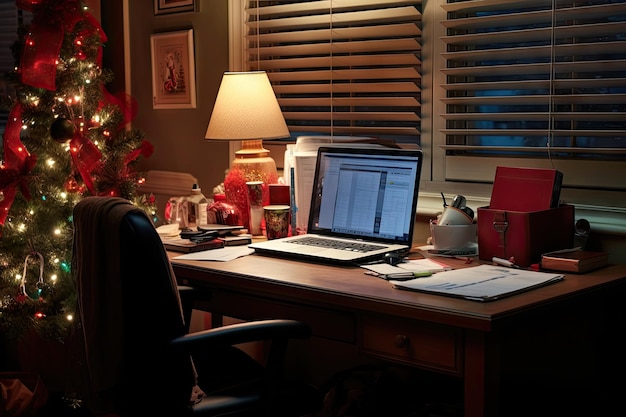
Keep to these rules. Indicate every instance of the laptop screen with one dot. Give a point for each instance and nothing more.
(368, 193)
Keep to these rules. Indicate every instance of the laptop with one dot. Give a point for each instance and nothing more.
(362, 206)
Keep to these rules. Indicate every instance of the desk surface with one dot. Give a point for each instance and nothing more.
(352, 288)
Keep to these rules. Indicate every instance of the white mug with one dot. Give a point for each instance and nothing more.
(452, 215)
(460, 237)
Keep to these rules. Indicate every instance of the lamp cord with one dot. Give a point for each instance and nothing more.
(332, 120)
(550, 138)
(258, 38)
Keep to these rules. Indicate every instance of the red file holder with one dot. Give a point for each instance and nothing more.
(524, 236)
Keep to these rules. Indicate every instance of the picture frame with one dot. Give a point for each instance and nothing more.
(162, 7)
(173, 70)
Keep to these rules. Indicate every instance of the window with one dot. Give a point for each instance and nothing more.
(539, 83)
(536, 83)
(349, 67)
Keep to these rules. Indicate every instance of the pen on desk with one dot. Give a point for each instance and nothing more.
(403, 276)
(503, 262)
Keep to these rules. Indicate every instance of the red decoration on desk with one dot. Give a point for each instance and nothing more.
(236, 190)
(280, 194)
(222, 212)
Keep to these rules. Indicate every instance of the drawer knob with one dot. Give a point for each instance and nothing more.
(401, 341)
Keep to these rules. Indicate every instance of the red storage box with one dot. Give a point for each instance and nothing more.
(524, 236)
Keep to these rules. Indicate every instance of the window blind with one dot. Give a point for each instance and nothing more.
(8, 34)
(535, 78)
(345, 67)
(10, 18)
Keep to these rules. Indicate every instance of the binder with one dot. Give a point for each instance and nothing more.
(525, 189)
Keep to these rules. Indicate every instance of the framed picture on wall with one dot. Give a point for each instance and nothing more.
(173, 70)
(174, 6)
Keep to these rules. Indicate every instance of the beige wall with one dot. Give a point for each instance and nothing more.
(178, 135)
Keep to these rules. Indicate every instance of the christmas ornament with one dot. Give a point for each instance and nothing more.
(40, 282)
(71, 185)
(62, 130)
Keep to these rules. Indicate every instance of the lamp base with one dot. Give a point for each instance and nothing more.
(251, 163)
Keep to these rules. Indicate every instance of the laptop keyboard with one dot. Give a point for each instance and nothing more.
(334, 244)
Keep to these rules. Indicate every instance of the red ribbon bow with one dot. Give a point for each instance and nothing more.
(51, 20)
(18, 163)
(85, 156)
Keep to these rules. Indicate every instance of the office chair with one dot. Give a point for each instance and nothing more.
(139, 359)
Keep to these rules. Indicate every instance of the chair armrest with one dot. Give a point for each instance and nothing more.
(276, 329)
(188, 296)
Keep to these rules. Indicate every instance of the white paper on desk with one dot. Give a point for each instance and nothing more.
(168, 230)
(304, 173)
(481, 283)
(227, 253)
(417, 265)
(413, 265)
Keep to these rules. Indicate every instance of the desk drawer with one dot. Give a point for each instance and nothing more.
(412, 342)
(334, 325)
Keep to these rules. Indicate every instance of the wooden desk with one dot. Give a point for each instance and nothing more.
(561, 333)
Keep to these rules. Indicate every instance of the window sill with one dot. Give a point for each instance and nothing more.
(605, 220)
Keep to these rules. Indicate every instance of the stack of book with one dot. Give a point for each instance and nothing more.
(187, 246)
(206, 237)
(578, 261)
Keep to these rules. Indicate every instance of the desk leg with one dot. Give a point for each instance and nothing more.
(481, 376)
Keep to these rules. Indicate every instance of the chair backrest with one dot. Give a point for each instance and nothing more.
(129, 309)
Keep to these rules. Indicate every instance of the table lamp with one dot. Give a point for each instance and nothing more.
(246, 109)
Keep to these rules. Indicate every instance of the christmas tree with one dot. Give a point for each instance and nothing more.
(67, 137)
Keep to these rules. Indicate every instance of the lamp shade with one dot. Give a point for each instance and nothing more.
(246, 109)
